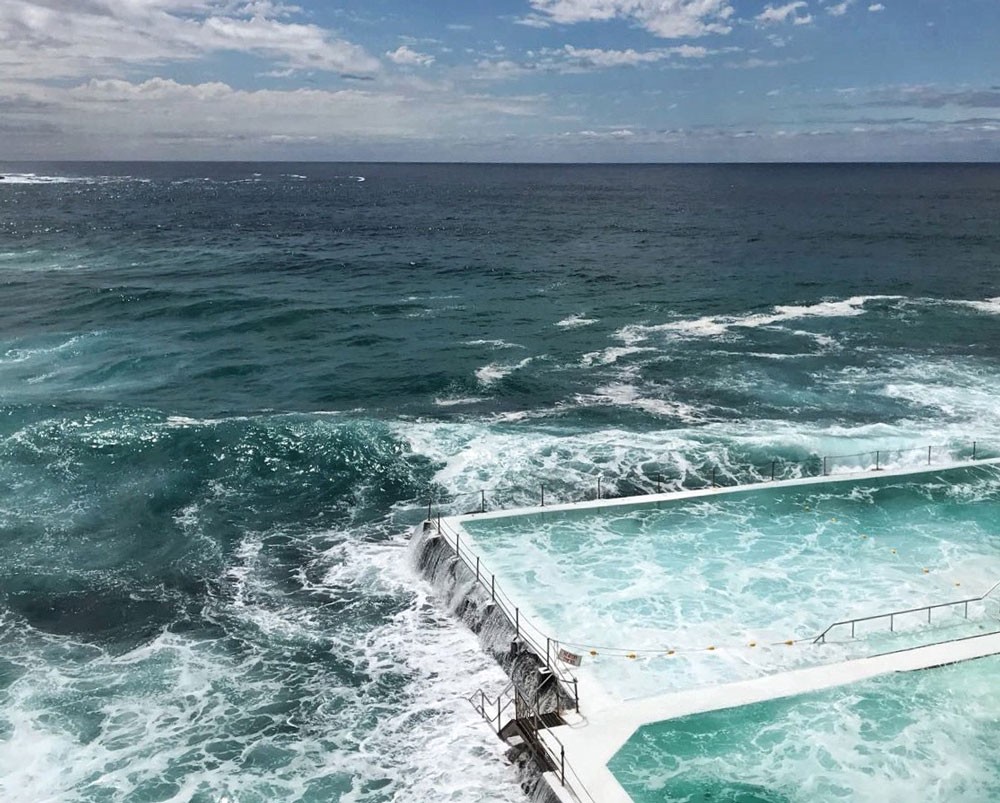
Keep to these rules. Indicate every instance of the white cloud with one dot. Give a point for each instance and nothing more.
(690, 51)
(498, 69)
(597, 57)
(840, 9)
(876, 7)
(774, 15)
(571, 59)
(407, 56)
(613, 58)
(754, 63)
(533, 21)
(420, 118)
(590, 134)
(164, 118)
(934, 97)
(669, 19)
(41, 39)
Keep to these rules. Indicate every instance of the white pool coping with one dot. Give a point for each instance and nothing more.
(605, 723)
(647, 500)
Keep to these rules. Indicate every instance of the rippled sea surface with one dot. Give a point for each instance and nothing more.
(227, 391)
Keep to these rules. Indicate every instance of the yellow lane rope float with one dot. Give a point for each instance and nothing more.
(612, 652)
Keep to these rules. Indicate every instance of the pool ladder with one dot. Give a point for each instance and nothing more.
(891, 616)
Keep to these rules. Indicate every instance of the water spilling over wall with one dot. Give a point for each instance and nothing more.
(471, 602)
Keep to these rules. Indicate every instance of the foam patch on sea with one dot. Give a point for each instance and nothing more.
(721, 325)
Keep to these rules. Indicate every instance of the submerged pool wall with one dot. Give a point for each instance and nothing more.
(568, 511)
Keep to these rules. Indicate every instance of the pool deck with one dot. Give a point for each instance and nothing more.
(591, 741)
(603, 726)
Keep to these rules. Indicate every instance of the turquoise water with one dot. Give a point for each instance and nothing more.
(763, 566)
(929, 736)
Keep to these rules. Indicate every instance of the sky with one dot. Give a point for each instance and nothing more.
(501, 80)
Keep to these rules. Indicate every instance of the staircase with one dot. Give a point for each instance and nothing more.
(515, 717)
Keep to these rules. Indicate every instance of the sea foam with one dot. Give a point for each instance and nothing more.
(720, 325)
(576, 321)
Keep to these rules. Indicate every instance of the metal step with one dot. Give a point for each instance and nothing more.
(518, 727)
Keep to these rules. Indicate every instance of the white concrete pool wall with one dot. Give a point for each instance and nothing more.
(603, 725)
(648, 500)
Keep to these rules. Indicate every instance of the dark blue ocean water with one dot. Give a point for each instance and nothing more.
(226, 390)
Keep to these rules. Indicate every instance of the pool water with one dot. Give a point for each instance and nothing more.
(915, 736)
(662, 582)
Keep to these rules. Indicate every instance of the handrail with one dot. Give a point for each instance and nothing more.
(518, 698)
(487, 497)
(485, 701)
(821, 638)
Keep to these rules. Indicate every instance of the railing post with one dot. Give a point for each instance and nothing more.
(458, 545)
(878, 454)
(598, 487)
(658, 481)
(439, 524)
(543, 496)
(548, 650)
(493, 587)
(824, 465)
(892, 623)
(482, 508)
(429, 501)
(576, 696)
(562, 764)
(499, 714)
(966, 609)
(517, 622)
(973, 450)
(928, 455)
(477, 568)
(772, 470)
(713, 476)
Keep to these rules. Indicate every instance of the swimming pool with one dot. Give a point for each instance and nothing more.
(676, 594)
(929, 735)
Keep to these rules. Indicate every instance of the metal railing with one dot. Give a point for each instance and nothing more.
(528, 713)
(891, 616)
(484, 706)
(642, 482)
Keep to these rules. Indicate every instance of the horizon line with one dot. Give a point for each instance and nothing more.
(511, 163)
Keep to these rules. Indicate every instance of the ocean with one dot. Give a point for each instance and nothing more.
(227, 392)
